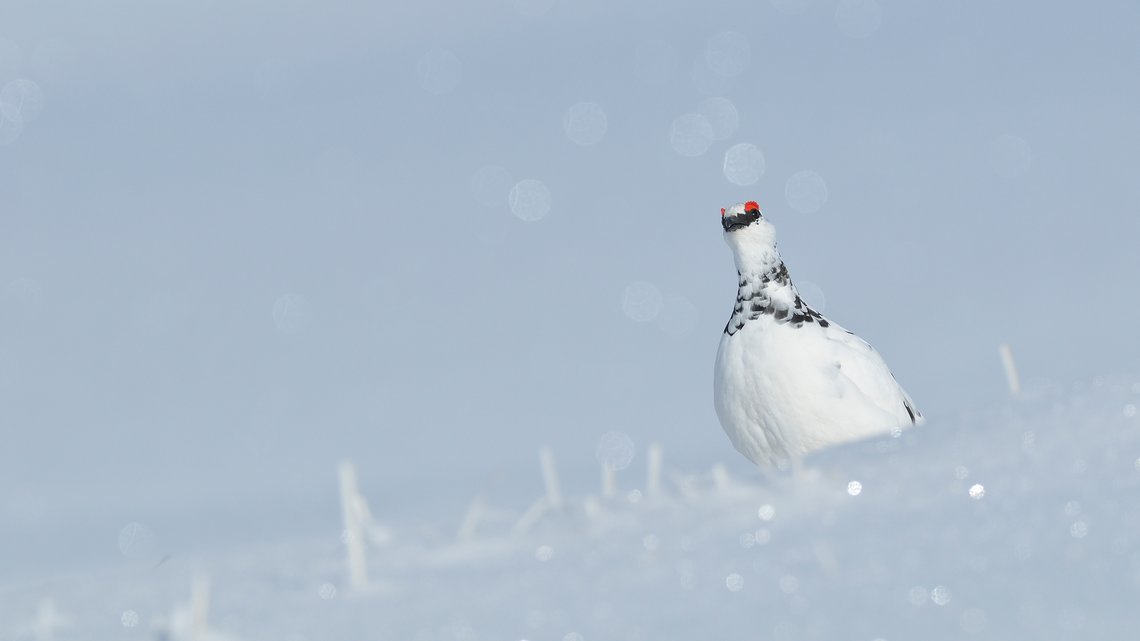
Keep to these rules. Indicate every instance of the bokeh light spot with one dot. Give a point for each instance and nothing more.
(743, 164)
(806, 192)
(615, 450)
(789, 584)
(734, 582)
(728, 53)
(585, 123)
(641, 302)
(21, 100)
(721, 114)
(529, 200)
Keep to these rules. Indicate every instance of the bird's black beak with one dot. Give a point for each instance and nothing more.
(739, 221)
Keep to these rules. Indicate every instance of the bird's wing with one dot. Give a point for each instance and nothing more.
(861, 367)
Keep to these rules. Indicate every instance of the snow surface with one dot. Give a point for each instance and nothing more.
(1019, 522)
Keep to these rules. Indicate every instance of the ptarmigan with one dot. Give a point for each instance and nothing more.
(789, 381)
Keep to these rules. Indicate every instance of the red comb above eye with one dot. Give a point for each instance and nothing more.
(722, 211)
(750, 205)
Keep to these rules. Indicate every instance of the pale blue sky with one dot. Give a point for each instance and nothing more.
(196, 164)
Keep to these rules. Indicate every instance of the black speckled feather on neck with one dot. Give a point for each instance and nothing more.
(770, 293)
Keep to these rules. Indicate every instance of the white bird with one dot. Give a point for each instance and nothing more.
(789, 381)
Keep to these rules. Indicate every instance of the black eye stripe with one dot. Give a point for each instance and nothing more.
(736, 221)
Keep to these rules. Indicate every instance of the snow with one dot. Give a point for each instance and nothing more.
(1017, 522)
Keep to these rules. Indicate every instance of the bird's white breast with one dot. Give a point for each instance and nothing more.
(782, 391)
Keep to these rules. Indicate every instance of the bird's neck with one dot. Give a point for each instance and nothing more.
(761, 265)
(766, 289)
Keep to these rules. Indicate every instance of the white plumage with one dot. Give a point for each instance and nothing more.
(789, 381)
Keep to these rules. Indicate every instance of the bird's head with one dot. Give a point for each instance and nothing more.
(751, 237)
